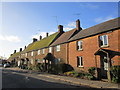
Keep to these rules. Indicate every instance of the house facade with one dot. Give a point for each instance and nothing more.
(61, 47)
(97, 46)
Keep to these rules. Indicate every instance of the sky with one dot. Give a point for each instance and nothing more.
(22, 21)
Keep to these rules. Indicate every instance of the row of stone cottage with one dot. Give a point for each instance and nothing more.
(97, 46)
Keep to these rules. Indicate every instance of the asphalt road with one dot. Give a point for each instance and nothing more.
(14, 79)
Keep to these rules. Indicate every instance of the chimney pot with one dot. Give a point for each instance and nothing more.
(20, 49)
(40, 37)
(78, 25)
(60, 29)
(47, 34)
(34, 39)
(25, 47)
(14, 51)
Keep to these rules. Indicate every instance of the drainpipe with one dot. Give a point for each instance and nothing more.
(108, 72)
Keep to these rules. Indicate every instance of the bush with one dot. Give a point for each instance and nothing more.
(71, 73)
(115, 71)
(91, 70)
(89, 76)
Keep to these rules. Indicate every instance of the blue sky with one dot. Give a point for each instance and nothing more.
(21, 21)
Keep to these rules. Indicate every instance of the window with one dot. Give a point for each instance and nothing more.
(43, 51)
(32, 53)
(57, 60)
(103, 40)
(50, 49)
(38, 52)
(79, 61)
(26, 54)
(58, 48)
(79, 45)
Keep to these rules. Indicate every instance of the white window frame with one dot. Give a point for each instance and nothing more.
(57, 48)
(80, 64)
(26, 54)
(103, 40)
(50, 49)
(38, 52)
(32, 53)
(43, 51)
(79, 45)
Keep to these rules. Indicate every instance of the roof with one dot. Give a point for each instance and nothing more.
(14, 55)
(45, 42)
(64, 37)
(99, 28)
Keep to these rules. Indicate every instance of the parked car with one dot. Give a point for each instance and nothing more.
(6, 65)
(1, 65)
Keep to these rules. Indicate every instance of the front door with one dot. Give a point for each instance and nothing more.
(104, 67)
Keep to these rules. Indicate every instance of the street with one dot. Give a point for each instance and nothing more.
(15, 79)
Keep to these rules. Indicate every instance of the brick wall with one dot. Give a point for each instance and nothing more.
(90, 46)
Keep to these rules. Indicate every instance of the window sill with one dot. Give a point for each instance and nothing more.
(104, 46)
(80, 50)
(80, 67)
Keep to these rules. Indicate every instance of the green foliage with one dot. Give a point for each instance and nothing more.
(71, 73)
(89, 76)
(91, 70)
(115, 71)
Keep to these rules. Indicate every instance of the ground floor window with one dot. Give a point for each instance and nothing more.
(79, 61)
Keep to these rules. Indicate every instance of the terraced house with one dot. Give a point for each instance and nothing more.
(38, 49)
(97, 46)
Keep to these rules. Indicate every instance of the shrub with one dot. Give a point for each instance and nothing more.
(91, 70)
(71, 73)
(115, 71)
(89, 76)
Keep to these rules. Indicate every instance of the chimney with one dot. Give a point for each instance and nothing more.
(34, 39)
(25, 47)
(20, 49)
(47, 34)
(40, 37)
(60, 29)
(14, 51)
(78, 25)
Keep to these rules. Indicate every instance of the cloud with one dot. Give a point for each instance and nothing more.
(10, 38)
(69, 26)
(103, 19)
(43, 34)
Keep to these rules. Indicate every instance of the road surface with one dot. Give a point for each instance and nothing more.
(15, 79)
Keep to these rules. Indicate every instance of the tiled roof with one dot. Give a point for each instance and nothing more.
(45, 42)
(64, 37)
(14, 55)
(99, 28)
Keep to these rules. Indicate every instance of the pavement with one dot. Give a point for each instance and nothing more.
(77, 81)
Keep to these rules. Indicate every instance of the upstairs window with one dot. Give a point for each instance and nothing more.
(43, 51)
(26, 54)
(58, 48)
(79, 45)
(79, 61)
(50, 49)
(103, 40)
(38, 52)
(32, 53)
